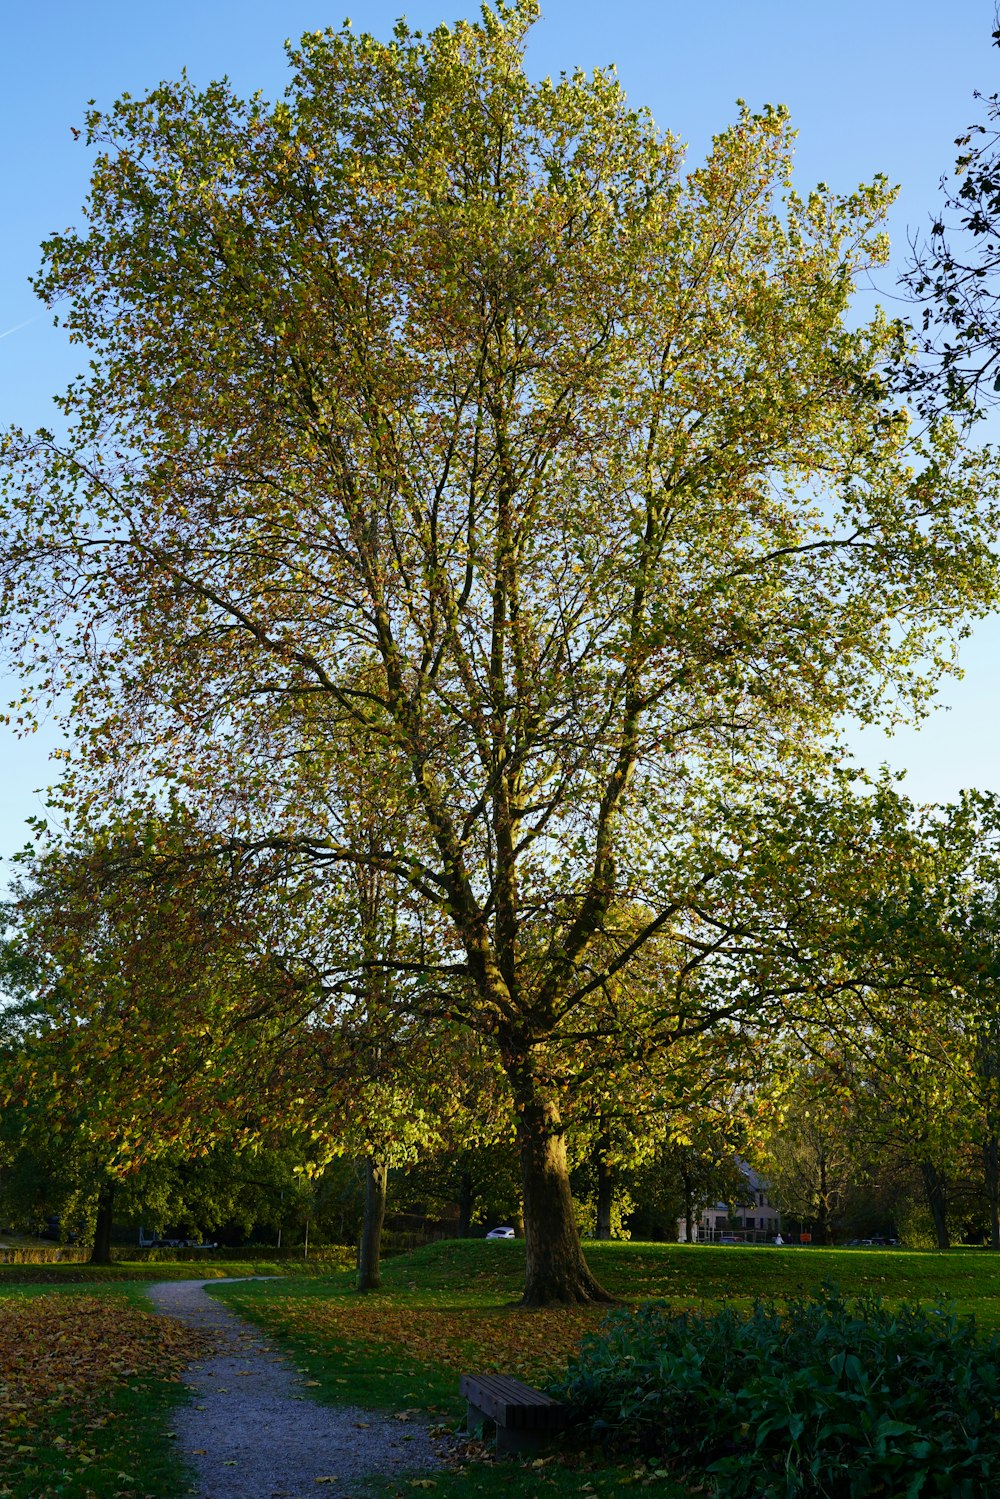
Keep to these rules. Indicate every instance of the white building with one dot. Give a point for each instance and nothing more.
(754, 1219)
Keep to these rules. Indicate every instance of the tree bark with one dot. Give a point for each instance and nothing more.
(687, 1189)
(101, 1252)
(825, 1234)
(605, 1186)
(370, 1248)
(555, 1271)
(465, 1199)
(934, 1191)
(991, 1168)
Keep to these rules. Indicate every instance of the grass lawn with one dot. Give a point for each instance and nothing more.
(151, 1270)
(76, 1423)
(90, 1381)
(449, 1308)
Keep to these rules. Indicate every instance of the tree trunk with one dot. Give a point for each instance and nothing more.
(101, 1252)
(687, 1190)
(991, 1166)
(605, 1186)
(370, 1249)
(555, 1272)
(824, 1225)
(465, 1199)
(934, 1190)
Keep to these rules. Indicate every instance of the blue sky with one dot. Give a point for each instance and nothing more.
(877, 87)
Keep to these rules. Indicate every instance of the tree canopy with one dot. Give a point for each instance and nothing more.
(441, 413)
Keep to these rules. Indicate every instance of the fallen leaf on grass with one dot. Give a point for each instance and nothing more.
(81, 1347)
(504, 1339)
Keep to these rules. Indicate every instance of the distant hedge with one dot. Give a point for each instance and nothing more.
(336, 1255)
(17, 1254)
(333, 1256)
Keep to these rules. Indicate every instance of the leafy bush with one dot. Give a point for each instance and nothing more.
(828, 1397)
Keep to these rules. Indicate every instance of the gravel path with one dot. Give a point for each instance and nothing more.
(252, 1432)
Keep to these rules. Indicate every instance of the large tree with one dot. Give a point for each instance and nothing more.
(437, 409)
(953, 277)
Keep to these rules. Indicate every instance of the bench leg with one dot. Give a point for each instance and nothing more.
(510, 1442)
(478, 1424)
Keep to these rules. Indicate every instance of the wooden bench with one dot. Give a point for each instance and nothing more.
(524, 1418)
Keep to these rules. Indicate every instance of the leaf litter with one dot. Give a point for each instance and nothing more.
(526, 1344)
(66, 1356)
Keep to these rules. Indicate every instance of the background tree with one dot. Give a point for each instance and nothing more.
(691, 1169)
(953, 276)
(810, 1150)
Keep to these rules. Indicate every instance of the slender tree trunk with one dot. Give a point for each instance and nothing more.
(825, 1228)
(991, 1167)
(555, 1272)
(370, 1250)
(687, 1189)
(101, 1252)
(605, 1186)
(465, 1199)
(934, 1190)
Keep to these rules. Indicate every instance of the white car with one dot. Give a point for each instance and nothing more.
(500, 1233)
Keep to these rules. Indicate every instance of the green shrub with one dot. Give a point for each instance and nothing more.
(828, 1397)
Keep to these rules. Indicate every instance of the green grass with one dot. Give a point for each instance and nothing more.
(123, 1290)
(473, 1277)
(715, 1273)
(473, 1273)
(131, 1453)
(353, 1371)
(548, 1478)
(122, 1271)
(110, 1442)
(464, 1280)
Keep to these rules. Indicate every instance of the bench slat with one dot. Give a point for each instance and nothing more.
(506, 1389)
(509, 1403)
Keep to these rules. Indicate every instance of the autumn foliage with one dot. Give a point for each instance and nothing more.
(445, 425)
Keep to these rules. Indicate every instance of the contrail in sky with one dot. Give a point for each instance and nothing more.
(18, 326)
